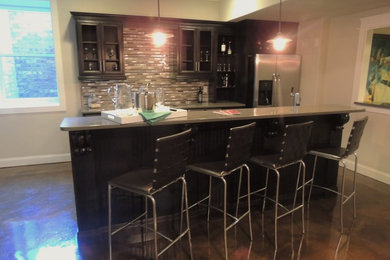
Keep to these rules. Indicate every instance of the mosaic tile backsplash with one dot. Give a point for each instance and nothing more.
(145, 65)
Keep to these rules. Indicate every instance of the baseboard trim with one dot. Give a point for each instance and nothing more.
(369, 172)
(32, 160)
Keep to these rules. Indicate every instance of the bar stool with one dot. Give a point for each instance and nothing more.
(171, 154)
(237, 153)
(293, 147)
(340, 154)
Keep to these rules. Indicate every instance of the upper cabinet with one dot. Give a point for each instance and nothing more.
(100, 48)
(254, 34)
(196, 49)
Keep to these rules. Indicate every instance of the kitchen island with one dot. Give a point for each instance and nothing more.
(102, 149)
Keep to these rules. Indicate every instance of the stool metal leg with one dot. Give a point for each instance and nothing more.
(209, 206)
(297, 184)
(312, 180)
(265, 191)
(181, 206)
(154, 226)
(224, 215)
(276, 208)
(238, 191)
(354, 185)
(249, 201)
(264, 200)
(146, 222)
(342, 199)
(303, 193)
(187, 215)
(109, 223)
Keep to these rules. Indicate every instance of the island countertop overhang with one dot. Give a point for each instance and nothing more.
(97, 122)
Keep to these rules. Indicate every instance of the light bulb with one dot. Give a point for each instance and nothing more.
(279, 42)
(159, 39)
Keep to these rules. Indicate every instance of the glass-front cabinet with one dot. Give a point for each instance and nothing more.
(100, 49)
(195, 49)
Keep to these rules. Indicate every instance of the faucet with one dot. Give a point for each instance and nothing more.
(296, 96)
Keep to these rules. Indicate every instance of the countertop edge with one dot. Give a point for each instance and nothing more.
(99, 123)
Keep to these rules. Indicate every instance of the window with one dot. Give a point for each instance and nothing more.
(28, 77)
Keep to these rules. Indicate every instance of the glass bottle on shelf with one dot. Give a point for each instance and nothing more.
(199, 95)
(207, 56)
(110, 53)
(85, 53)
(229, 51)
(226, 81)
(223, 46)
(93, 53)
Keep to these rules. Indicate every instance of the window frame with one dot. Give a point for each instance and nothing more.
(61, 106)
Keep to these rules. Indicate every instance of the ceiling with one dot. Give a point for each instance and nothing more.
(302, 10)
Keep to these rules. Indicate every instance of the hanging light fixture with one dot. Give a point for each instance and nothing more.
(279, 42)
(159, 37)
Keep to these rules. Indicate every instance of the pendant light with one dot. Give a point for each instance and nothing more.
(159, 37)
(279, 42)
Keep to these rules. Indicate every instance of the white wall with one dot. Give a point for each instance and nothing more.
(334, 51)
(233, 9)
(35, 137)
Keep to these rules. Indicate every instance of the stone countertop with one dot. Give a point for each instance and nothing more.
(204, 116)
(205, 105)
(212, 105)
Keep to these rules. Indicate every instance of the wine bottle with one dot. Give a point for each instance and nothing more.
(223, 46)
(200, 95)
(226, 80)
(229, 51)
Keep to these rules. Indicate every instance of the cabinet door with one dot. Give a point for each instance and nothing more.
(195, 55)
(205, 37)
(111, 51)
(187, 59)
(89, 49)
(100, 47)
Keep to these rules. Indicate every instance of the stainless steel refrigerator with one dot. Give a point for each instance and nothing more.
(274, 78)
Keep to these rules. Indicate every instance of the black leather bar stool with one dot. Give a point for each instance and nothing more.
(171, 154)
(340, 154)
(293, 147)
(237, 154)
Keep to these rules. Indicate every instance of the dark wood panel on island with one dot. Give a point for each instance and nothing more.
(101, 150)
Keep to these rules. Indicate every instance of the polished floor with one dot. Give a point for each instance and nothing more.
(38, 221)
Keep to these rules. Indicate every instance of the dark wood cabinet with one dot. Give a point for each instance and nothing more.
(196, 49)
(100, 48)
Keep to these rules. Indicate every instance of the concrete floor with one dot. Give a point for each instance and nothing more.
(38, 221)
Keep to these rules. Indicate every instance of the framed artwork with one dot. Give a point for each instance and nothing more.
(377, 89)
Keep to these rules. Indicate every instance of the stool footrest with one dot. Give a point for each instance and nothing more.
(289, 212)
(279, 204)
(128, 224)
(237, 220)
(334, 192)
(172, 242)
(199, 203)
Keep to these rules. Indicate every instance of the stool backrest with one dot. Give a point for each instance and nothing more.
(355, 136)
(171, 156)
(238, 150)
(295, 138)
